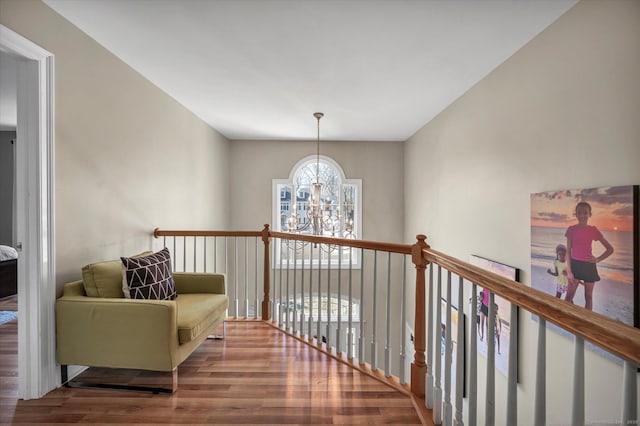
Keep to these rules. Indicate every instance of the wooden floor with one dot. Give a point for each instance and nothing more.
(257, 375)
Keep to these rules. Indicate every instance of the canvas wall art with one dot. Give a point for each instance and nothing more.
(455, 347)
(503, 313)
(584, 248)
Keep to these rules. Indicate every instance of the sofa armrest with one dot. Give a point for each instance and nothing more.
(194, 282)
(117, 333)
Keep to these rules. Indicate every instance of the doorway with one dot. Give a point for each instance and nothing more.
(33, 219)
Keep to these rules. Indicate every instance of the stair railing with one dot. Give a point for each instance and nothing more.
(349, 298)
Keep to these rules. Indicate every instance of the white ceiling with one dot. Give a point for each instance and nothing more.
(259, 69)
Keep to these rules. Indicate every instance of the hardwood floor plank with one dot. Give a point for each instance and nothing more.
(257, 375)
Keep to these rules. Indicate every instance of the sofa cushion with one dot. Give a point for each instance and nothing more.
(104, 279)
(197, 312)
(148, 277)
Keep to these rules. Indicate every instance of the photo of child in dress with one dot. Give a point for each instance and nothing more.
(477, 306)
(497, 328)
(589, 235)
(560, 270)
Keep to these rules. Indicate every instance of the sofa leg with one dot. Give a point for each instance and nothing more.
(217, 336)
(73, 384)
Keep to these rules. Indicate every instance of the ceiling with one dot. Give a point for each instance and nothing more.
(259, 69)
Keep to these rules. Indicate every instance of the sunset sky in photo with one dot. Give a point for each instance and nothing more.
(612, 208)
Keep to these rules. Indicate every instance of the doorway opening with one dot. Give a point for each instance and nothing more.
(33, 218)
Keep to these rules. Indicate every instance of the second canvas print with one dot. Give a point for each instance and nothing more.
(502, 310)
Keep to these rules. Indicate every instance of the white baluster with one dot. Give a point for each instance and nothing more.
(374, 345)
(577, 406)
(435, 347)
(428, 400)
(489, 414)
(629, 393)
(309, 332)
(350, 323)
(302, 295)
(184, 253)
(473, 358)
(403, 321)
(295, 289)
(246, 279)
(205, 254)
(339, 327)
(235, 275)
(361, 355)
(540, 401)
(319, 326)
(280, 322)
(387, 348)
(328, 333)
(288, 294)
(512, 375)
(460, 356)
(257, 293)
(447, 409)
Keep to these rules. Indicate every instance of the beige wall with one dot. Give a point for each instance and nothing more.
(128, 157)
(561, 113)
(379, 164)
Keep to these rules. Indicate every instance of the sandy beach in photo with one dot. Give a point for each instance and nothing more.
(613, 295)
(610, 297)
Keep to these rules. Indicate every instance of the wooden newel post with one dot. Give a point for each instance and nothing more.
(418, 366)
(266, 301)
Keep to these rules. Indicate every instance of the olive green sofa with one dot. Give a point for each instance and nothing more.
(97, 326)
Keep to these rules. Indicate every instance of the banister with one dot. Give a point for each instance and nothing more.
(185, 233)
(364, 244)
(612, 335)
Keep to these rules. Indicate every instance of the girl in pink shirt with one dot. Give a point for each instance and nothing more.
(581, 268)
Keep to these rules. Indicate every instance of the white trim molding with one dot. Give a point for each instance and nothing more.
(37, 368)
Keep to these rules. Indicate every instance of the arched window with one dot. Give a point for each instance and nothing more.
(317, 199)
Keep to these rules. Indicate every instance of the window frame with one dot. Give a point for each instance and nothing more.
(277, 187)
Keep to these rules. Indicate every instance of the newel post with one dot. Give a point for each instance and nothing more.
(266, 301)
(418, 366)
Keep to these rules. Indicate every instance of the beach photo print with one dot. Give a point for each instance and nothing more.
(455, 347)
(502, 311)
(584, 248)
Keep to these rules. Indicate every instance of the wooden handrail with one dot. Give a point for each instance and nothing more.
(183, 233)
(364, 244)
(614, 336)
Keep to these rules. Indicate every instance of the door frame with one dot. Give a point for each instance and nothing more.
(34, 222)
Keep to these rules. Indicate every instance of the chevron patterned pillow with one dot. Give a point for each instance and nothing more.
(148, 277)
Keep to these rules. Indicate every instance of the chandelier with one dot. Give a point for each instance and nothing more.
(321, 205)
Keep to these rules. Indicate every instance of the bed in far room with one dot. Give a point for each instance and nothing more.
(8, 271)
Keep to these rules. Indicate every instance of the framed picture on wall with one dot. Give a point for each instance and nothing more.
(594, 223)
(456, 346)
(503, 313)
